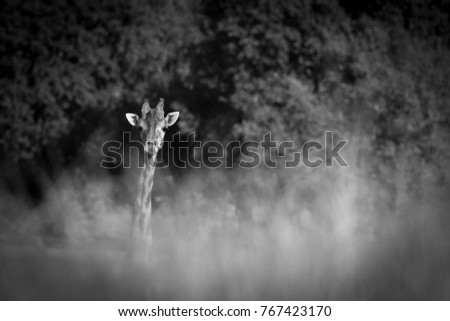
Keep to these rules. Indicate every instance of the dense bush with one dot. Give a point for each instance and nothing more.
(375, 73)
(66, 64)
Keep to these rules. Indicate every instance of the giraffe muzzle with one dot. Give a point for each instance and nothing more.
(152, 148)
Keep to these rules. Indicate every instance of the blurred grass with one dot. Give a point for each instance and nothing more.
(292, 234)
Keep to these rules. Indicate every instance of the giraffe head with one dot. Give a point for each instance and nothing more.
(152, 125)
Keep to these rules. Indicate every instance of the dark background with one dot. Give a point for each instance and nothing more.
(375, 73)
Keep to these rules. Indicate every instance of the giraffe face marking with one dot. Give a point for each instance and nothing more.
(152, 125)
(152, 130)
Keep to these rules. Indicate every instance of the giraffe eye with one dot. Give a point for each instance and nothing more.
(164, 129)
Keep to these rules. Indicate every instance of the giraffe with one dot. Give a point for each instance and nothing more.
(152, 126)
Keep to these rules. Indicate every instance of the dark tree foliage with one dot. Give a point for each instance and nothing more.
(65, 65)
(376, 72)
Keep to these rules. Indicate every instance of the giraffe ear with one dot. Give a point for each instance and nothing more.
(133, 119)
(171, 118)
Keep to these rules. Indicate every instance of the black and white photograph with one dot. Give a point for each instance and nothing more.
(204, 150)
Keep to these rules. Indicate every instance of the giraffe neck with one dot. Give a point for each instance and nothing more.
(144, 201)
(145, 187)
